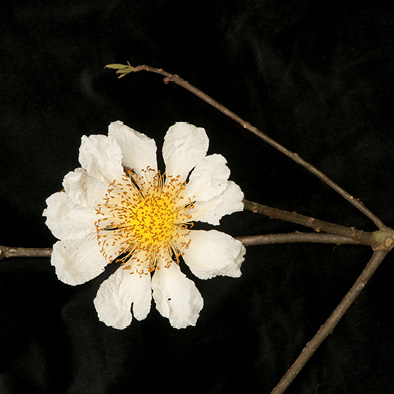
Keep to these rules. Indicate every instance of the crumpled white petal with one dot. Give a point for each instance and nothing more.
(184, 146)
(83, 189)
(208, 179)
(213, 253)
(72, 214)
(116, 295)
(227, 202)
(67, 219)
(176, 296)
(77, 260)
(138, 150)
(101, 157)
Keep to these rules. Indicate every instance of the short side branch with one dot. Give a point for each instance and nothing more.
(359, 236)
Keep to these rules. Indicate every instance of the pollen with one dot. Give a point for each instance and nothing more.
(143, 221)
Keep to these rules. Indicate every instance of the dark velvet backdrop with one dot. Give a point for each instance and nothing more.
(315, 75)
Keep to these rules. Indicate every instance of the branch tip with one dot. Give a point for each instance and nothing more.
(126, 69)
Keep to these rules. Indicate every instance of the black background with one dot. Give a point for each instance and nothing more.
(315, 75)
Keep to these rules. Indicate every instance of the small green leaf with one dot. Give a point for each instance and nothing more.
(117, 66)
(122, 69)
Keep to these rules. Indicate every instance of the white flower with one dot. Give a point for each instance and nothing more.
(118, 206)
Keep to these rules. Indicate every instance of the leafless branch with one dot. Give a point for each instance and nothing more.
(359, 236)
(328, 327)
(123, 69)
(297, 237)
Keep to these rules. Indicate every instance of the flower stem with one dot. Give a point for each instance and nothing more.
(328, 327)
(296, 237)
(7, 252)
(123, 69)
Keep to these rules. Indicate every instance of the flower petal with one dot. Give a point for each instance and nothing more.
(184, 146)
(83, 189)
(138, 150)
(77, 260)
(208, 179)
(67, 219)
(229, 201)
(116, 294)
(101, 157)
(176, 296)
(213, 253)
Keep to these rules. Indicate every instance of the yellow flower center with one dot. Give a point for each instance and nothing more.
(143, 221)
(153, 220)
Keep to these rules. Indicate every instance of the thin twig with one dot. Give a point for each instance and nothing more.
(297, 237)
(123, 69)
(328, 327)
(7, 252)
(359, 236)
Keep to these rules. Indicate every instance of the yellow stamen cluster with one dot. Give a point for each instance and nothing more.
(143, 221)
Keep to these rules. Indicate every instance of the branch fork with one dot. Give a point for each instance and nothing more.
(381, 241)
